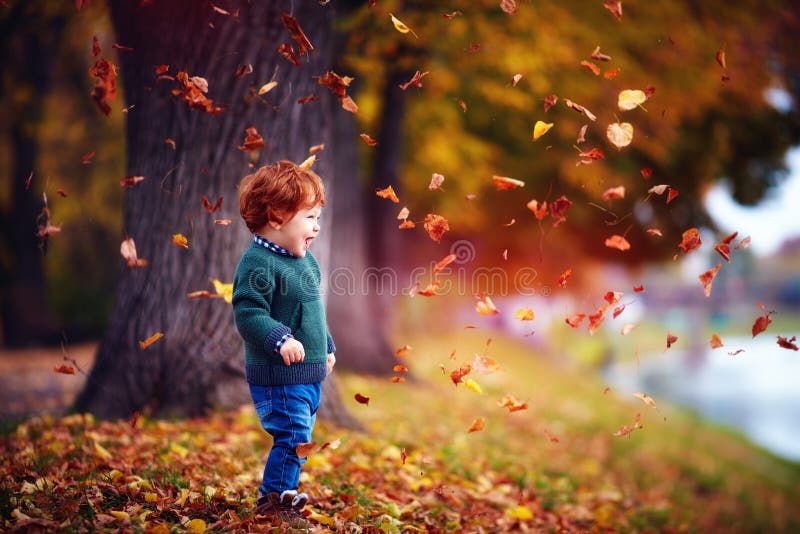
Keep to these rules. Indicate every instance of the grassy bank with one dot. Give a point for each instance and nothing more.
(555, 466)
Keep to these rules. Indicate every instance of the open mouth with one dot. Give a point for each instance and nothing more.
(307, 242)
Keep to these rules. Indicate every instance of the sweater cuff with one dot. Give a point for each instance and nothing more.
(274, 337)
(331, 345)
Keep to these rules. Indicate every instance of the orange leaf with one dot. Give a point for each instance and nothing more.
(562, 280)
(415, 80)
(400, 369)
(512, 403)
(436, 226)
(708, 277)
(252, 141)
(690, 241)
(179, 240)
(398, 379)
(614, 193)
(594, 69)
(576, 320)
(430, 290)
(388, 192)
(209, 207)
(368, 140)
(361, 399)
(721, 59)
(403, 351)
(618, 242)
(484, 365)
(296, 33)
(655, 232)
(303, 450)
(647, 399)
(485, 306)
(150, 340)
(715, 341)
(222, 222)
(349, 105)
(671, 338)
(444, 262)
(540, 212)
(69, 370)
(550, 436)
(457, 375)
(524, 314)
(477, 425)
(503, 183)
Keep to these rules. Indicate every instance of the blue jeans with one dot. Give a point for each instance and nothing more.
(287, 413)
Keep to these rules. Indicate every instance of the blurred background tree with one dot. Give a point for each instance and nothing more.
(468, 121)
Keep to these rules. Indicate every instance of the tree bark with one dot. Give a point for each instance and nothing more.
(199, 364)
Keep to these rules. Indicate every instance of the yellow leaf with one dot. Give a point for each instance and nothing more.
(226, 290)
(179, 240)
(196, 526)
(150, 340)
(525, 314)
(209, 492)
(308, 162)
(473, 386)
(101, 451)
(182, 498)
(401, 27)
(541, 128)
(620, 134)
(161, 528)
(122, 516)
(321, 519)
(522, 513)
(485, 306)
(150, 497)
(267, 87)
(114, 474)
(630, 99)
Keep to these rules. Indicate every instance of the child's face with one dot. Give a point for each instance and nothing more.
(296, 234)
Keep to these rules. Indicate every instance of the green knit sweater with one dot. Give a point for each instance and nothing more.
(275, 295)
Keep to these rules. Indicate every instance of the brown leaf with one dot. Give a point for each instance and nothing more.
(303, 450)
(296, 33)
(388, 193)
(415, 80)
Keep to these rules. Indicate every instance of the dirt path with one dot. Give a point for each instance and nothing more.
(29, 386)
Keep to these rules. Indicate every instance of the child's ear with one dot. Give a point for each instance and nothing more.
(275, 224)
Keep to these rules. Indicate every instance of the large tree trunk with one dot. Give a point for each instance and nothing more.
(26, 317)
(198, 364)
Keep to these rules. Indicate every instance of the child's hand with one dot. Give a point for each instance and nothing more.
(331, 362)
(292, 351)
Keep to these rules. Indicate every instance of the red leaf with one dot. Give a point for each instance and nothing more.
(69, 370)
(415, 80)
(509, 6)
(618, 242)
(549, 102)
(708, 277)
(671, 195)
(612, 297)
(307, 99)
(286, 51)
(638, 289)
(576, 320)
(243, 70)
(361, 399)
(456, 375)
(540, 212)
(105, 86)
(368, 140)
(671, 339)
(252, 140)
(615, 8)
(86, 159)
(762, 323)
(558, 208)
(647, 172)
(691, 240)
(296, 33)
(787, 343)
(562, 280)
(130, 181)
(591, 67)
(211, 208)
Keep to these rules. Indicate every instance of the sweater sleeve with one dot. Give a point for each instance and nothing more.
(252, 299)
(330, 343)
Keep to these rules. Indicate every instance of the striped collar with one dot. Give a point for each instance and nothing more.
(269, 245)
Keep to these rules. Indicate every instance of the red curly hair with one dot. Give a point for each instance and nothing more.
(276, 192)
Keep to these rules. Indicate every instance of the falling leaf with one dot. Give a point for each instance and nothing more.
(398, 379)
(105, 86)
(618, 242)
(610, 74)
(580, 109)
(503, 183)
(303, 450)
(485, 306)
(549, 102)
(267, 87)
(86, 159)
(307, 99)
(763, 321)
(209, 207)
(617, 311)
(349, 105)
(541, 128)
(192, 92)
(444, 262)
(671, 194)
(744, 243)
(596, 319)
(515, 79)
(69, 370)
(582, 134)
(612, 297)
(540, 212)
(671, 339)
(224, 290)
(473, 386)
(558, 209)
(128, 251)
(457, 375)
(562, 280)
(638, 289)
(150, 340)
(403, 351)
(171, 143)
(707, 278)
(484, 365)
(598, 56)
(436, 182)
(787, 343)
(223, 222)
(721, 59)
(576, 320)
(620, 134)
(614, 193)
(388, 192)
(625, 430)
(524, 314)
(550, 437)
(451, 15)
(658, 189)
(296, 33)
(715, 341)
(243, 70)
(594, 69)
(286, 51)
(654, 231)
(130, 181)
(252, 140)
(415, 80)
(368, 140)
(477, 425)
(335, 83)
(430, 290)
(512, 403)
(736, 352)
(401, 27)
(591, 155)
(400, 369)
(646, 172)
(361, 399)
(630, 99)
(179, 240)
(690, 241)
(626, 328)
(614, 7)
(645, 398)
(436, 226)
(723, 247)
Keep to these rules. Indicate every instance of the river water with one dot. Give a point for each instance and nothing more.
(756, 391)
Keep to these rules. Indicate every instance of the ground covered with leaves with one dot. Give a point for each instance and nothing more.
(435, 456)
